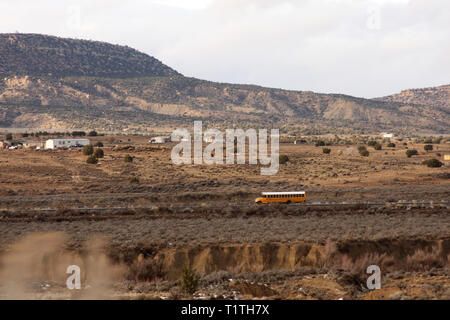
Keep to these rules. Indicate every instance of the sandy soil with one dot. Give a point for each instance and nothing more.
(385, 208)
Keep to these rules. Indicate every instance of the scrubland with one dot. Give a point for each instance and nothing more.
(154, 218)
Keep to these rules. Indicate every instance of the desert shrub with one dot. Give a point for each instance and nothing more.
(320, 143)
(372, 143)
(77, 133)
(364, 153)
(129, 158)
(25, 135)
(9, 136)
(92, 133)
(88, 150)
(377, 146)
(190, 280)
(134, 180)
(411, 152)
(92, 160)
(99, 144)
(99, 153)
(283, 159)
(326, 150)
(428, 147)
(391, 145)
(432, 163)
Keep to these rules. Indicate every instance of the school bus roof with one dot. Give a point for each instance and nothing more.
(280, 193)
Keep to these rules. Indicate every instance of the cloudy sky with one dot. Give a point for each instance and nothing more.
(365, 48)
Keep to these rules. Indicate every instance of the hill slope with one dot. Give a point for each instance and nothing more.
(142, 92)
(39, 55)
(438, 97)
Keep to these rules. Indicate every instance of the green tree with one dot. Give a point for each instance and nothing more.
(98, 153)
(364, 153)
(320, 143)
(88, 150)
(92, 160)
(92, 133)
(411, 152)
(432, 163)
(428, 147)
(190, 280)
(283, 159)
(9, 136)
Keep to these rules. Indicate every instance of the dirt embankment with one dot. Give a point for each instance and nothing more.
(42, 259)
(260, 257)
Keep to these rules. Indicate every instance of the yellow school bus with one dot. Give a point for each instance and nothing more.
(283, 197)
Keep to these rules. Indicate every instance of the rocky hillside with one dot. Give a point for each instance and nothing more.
(97, 85)
(39, 55)
(438, 97)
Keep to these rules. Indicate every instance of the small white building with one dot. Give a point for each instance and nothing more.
(387, 135)
(162, 139)
(66, 143)
(33, 144)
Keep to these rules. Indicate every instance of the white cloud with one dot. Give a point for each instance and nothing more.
(185, 4)
(319, 45)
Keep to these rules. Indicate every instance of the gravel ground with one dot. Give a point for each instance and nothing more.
(318, 227)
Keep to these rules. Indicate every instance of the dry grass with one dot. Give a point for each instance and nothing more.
(195, 205)
(26, 172)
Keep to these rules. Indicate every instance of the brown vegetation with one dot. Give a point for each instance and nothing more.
(204, 217)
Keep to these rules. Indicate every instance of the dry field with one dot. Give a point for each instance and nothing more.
(154, 218)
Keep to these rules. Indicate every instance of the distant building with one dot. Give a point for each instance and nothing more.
(33, 144)
(4, 145)
(66, 143)
(387, 135)
(162, 139)
(447, 157)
